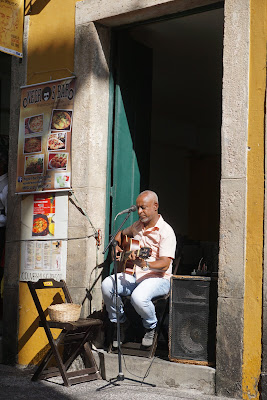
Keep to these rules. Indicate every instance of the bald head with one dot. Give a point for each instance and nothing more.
(147, 207)
(150, 195)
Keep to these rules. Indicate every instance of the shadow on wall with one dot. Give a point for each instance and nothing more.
(50, 50)
(32, 329)
(33, 7)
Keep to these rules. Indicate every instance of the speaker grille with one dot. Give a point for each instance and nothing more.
(192, 322)
(191, 291)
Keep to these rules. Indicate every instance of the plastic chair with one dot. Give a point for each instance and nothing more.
(75, 333)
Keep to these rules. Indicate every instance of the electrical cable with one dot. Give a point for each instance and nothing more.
(136, 376)
(49, 239)
(98, 237)
(86, 215)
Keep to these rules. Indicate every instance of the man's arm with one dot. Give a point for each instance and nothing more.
(128, 231)
(119, 236)
(167, 245)
(161, 263)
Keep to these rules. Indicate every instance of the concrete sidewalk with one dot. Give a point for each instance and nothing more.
(16, 384)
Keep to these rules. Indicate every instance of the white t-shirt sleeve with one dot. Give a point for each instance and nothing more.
(167, 245)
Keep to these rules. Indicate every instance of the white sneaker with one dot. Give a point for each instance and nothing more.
(147, 340)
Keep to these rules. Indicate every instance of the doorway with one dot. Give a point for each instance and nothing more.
(167, 127)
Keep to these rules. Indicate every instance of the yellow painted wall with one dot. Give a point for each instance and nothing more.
(33, 343)
(50, 56)
(51, 40)
(255, 203)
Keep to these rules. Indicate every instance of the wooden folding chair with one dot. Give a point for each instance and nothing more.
(76, 334)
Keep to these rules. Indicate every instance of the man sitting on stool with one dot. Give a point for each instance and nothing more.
(152, 276)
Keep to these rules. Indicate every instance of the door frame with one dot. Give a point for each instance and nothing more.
(94, 22)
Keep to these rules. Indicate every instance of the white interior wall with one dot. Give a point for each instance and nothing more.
(186, 105)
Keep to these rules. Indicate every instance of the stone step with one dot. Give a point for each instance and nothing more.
(159, 372)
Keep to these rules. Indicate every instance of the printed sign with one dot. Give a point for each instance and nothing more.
(44, 144)
(43, 215)
(44, 221)
(43, 260)
(11, 26)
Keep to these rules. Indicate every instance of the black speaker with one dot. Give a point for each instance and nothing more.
(192, 319)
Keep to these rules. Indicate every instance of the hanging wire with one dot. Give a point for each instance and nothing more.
(137, 376)
(98, 237)
(97, 233)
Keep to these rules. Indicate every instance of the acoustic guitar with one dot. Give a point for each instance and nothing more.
(128, 246)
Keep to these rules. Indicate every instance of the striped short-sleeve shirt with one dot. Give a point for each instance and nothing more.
(162, 241)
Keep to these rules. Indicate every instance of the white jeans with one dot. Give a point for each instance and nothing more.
(141, 293)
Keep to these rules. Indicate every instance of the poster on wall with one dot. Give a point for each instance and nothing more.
(11, 26)
(43, 259)
(44, 143)
(44, 237)
(43, 215)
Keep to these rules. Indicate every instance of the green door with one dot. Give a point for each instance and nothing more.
(132, 109)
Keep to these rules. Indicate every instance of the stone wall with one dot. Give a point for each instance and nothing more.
(12, 252)
(89, 160)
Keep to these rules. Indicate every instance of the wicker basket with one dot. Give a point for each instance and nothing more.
(64, 312)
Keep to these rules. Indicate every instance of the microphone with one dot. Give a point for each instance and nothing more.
(128, 210)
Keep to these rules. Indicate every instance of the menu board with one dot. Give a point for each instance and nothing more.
(44, 143)
(43, 260)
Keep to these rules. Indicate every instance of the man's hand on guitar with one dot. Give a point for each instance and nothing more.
(118, 253)
(132, 256)
(138, 261)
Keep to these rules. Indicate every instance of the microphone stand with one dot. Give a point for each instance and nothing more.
(114, 243)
